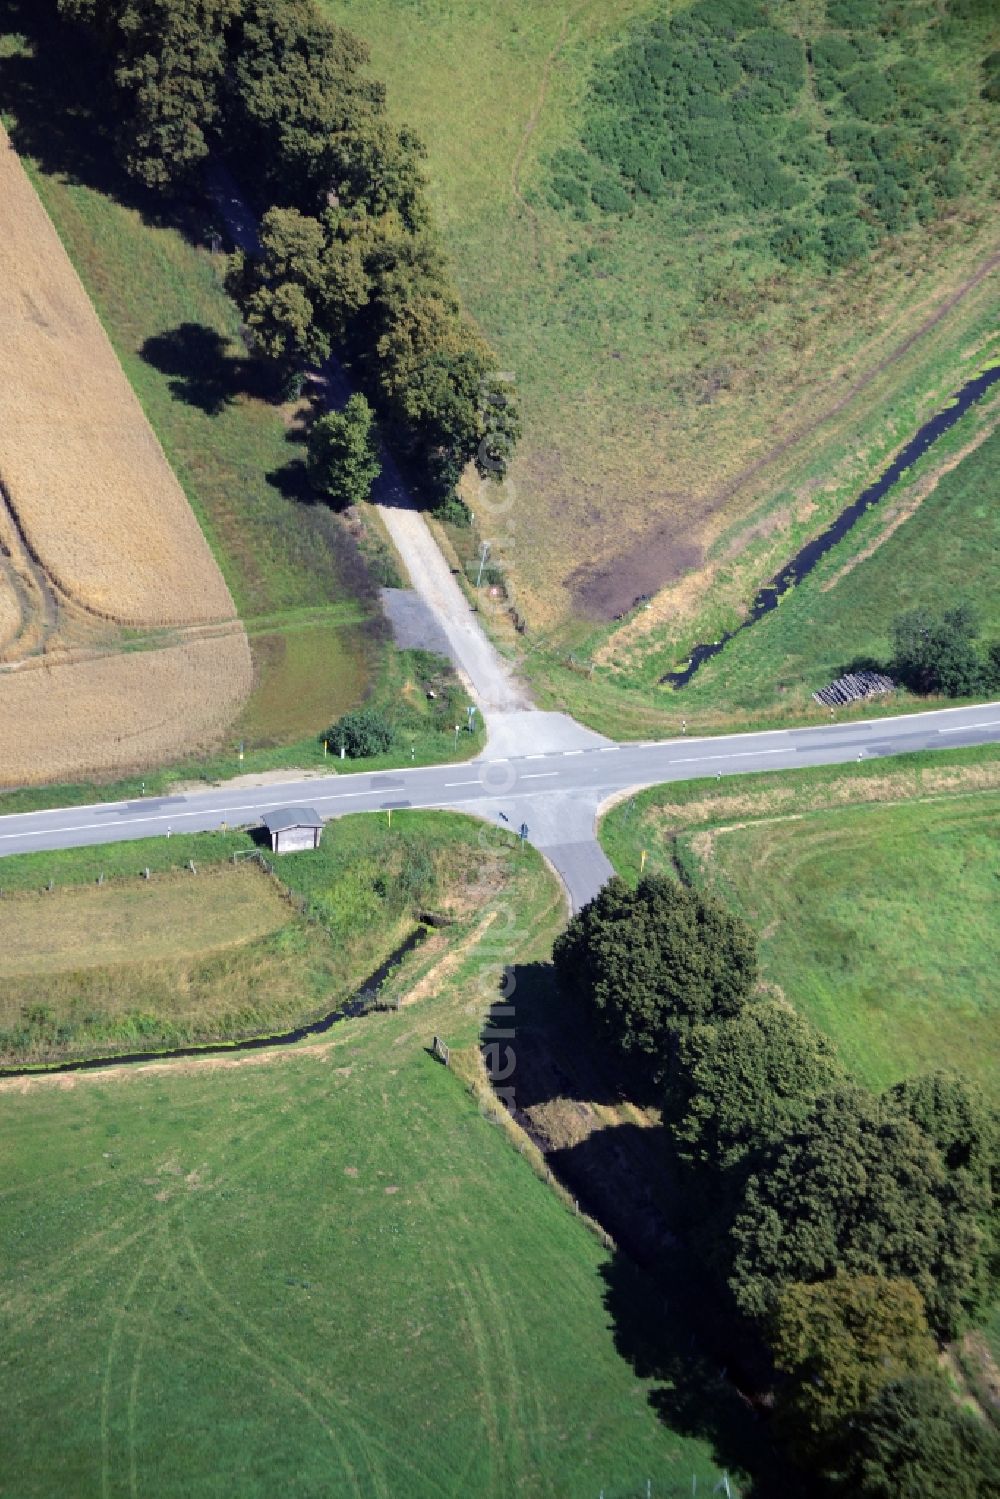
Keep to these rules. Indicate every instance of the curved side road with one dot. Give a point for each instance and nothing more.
(556, 794)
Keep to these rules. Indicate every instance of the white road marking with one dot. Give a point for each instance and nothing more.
(474, 782)
(538, 775)
(739, 755)
(567, 753)
(990, 723)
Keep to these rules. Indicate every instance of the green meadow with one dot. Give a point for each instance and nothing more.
(321, 1270)
(872, 890)
(164, 943)
(695, 404)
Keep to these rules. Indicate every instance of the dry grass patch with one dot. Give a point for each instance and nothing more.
(142, 921)
(98, 504)
(890, 786)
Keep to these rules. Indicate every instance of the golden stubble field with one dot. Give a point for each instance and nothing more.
(96, 537)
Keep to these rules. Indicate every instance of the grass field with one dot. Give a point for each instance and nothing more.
(873, 893)
(138, 922)
(692, 408)
(321, 1269)
(931, 542)
(183, 958)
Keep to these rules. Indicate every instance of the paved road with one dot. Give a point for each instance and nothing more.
(556, 793)
(541, 769)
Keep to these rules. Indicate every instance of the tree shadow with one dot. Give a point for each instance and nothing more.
(548, 1027)
(292, 481)
(204, 373)
(658, 1326)
(671, 1320)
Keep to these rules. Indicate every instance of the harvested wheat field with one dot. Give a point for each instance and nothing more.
(95, 498)
(119, 712)
(96, 534)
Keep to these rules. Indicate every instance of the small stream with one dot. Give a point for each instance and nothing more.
(805, 560)
(363, 1000)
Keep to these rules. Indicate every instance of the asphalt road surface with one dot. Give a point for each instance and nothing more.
(556, 793)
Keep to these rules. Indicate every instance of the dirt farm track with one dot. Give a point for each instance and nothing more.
(96, 535)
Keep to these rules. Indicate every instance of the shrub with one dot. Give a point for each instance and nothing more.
(844, 239)
(610, 196)
(938, 653)
(362, 732)
(453, 512)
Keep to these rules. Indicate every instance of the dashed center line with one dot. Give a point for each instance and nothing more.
(538, 775)
(739, 755)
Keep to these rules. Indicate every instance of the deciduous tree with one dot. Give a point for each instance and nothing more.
(856, 1187)
(913, 1439)
(648, 963)
(343, 464)
(840, 1341)
(741, 1083)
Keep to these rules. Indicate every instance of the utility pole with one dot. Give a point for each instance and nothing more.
(484, 552)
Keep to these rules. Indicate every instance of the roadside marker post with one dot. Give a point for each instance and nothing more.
(642, 861)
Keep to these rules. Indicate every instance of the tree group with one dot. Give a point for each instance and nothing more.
(848, 1230)
(348, 257)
